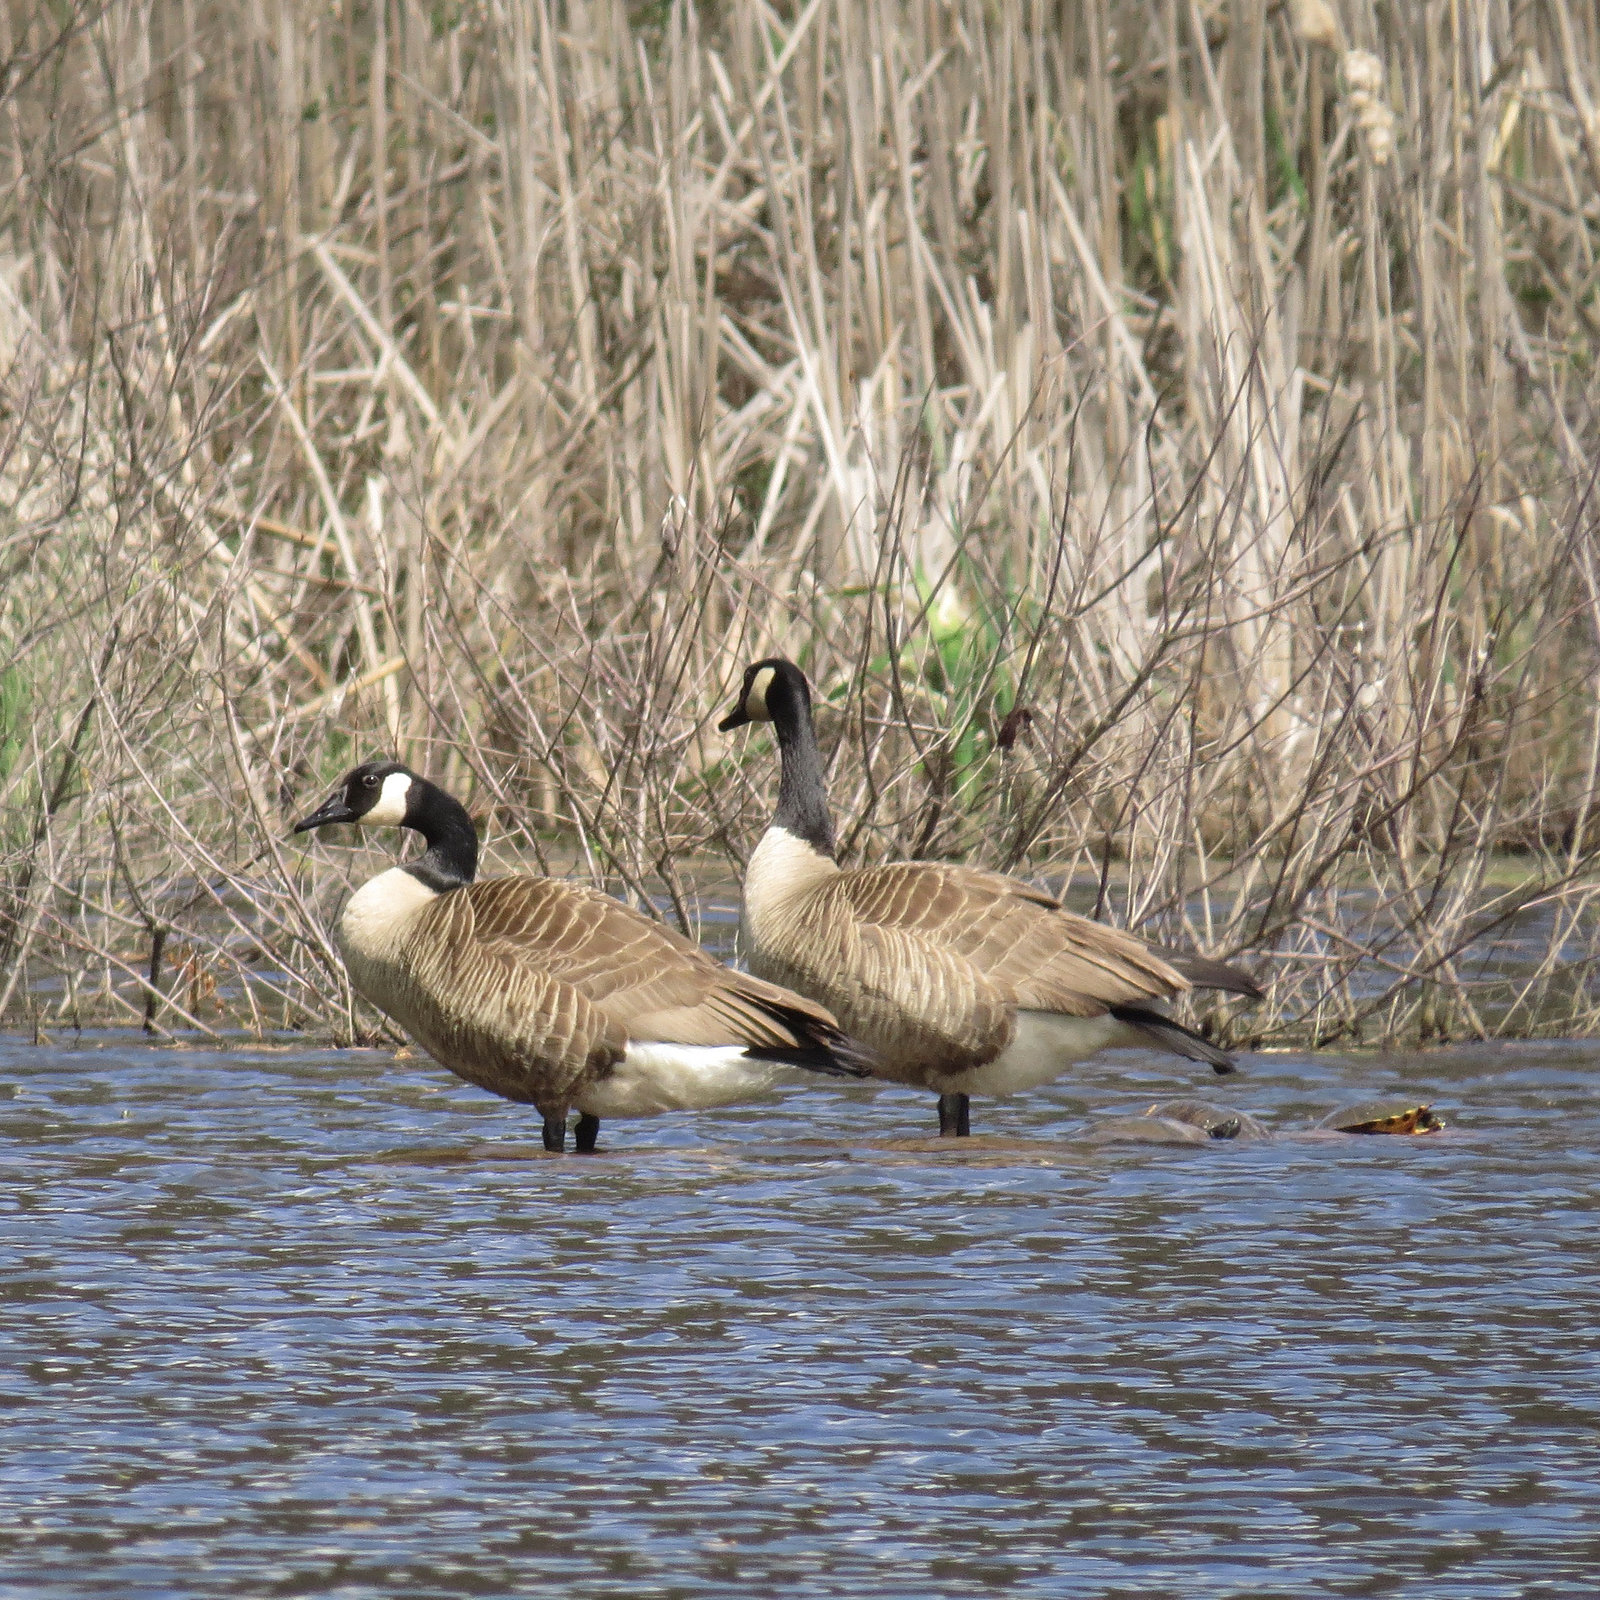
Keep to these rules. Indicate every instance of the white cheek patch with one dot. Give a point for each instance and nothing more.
(755, 702)
(391, 806)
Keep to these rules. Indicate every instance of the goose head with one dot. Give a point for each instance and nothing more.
(774, 690)
(375, 794)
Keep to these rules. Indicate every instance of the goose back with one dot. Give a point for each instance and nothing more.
(929, 963)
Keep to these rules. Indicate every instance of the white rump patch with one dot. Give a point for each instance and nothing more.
(391, 806)
(1046, 1044)
(655, 1077)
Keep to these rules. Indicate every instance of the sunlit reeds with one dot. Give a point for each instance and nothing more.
(1165, 433)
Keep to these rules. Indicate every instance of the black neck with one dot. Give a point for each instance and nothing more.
(802, 789)
(451, 859)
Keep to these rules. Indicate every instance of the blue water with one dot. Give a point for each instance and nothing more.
(304, 1322)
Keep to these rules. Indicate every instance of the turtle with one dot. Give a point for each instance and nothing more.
(1216, 1122)
(1383, 1116)
(1200, 1121)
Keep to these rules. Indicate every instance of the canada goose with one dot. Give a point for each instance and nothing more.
(963, 981)
(552, 993)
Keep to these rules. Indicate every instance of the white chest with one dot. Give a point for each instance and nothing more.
(781, 872)
(372, 932)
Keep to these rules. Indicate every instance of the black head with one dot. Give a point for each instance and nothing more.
(376, 793)
(775, 690)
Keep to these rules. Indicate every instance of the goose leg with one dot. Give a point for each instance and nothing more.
(955, 1114)
(585, 1134)
(555, 1133)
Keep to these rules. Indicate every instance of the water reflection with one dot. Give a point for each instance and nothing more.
(283, 1322)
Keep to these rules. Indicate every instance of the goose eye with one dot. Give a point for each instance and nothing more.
(369, 780)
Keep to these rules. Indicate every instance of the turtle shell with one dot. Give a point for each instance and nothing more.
(1215, 1121)
(1383, 1116)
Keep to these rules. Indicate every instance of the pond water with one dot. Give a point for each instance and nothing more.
(303, 1322)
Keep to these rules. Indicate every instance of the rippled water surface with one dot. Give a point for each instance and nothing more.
(300, 1322)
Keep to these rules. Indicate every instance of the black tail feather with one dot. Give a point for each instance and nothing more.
(1173, 1036)
(1204, 973)
(819, 1046)
(840, 1057)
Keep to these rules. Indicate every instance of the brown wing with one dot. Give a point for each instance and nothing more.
(1036, 955)
(940, 957)
(902, 994)
(506, 1023)
(647, 981)
(929, 963)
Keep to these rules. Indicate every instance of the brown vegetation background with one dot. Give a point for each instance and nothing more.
(1163, 428)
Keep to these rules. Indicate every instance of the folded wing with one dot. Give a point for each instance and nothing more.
(1033, 954)
(509, 1023)
(642, 981)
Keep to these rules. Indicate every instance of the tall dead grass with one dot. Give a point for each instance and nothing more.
(1165, 432)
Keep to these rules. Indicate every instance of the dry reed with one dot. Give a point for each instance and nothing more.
(1165, 433)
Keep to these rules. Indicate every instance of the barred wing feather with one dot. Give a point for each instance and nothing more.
(647, 981)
